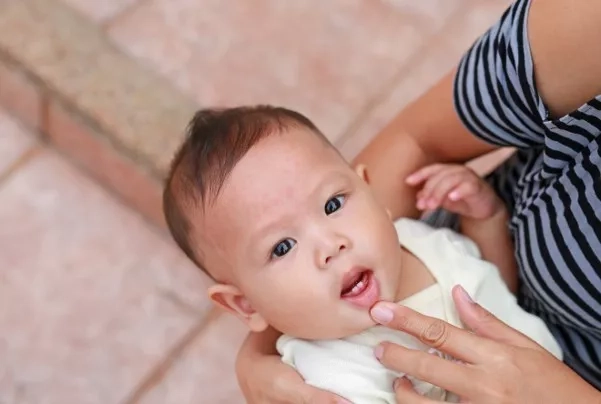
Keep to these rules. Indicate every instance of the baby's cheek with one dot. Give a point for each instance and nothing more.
(301, 301)
(383, 234)
(282, 298)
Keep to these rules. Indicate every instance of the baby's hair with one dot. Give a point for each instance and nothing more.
(215, 140)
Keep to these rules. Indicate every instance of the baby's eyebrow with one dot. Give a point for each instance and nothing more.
(262, 231)
(337, 177)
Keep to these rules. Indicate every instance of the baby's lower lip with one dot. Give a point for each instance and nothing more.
(368, 295)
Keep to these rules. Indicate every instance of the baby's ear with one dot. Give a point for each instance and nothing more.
(231, 299)
(361, 170)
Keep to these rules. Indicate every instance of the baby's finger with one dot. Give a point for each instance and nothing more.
(443, 187)
(406, 394)
(433, 183)
(464, 190)
(424, 173)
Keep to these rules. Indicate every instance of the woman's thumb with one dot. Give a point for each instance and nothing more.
(316, 396)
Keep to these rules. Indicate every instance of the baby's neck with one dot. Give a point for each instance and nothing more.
(415, 276)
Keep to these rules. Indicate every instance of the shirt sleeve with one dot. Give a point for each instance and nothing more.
(495, 91)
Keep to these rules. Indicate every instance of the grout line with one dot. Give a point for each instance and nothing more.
(112, 192)
(415, 19)
(83, 117)
(389, 87)
(176, 300)
(41, 133)
(106, 24)
(24, 159)
(157, 373)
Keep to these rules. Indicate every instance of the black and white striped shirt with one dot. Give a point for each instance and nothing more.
(552, 185)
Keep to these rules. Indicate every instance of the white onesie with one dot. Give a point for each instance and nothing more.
(348, 367)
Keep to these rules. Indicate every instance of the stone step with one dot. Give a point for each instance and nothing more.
(61, 75)
(121, 120)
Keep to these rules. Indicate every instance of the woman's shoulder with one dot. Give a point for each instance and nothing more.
(494, 90)
(539, 61)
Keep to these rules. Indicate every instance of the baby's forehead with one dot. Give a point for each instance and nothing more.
(275, 177)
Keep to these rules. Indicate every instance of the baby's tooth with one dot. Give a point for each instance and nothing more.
(358, 286)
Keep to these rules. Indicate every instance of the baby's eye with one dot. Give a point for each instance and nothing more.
(282, 248)
(333, 204)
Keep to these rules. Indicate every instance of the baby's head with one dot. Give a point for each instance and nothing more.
(291, 234)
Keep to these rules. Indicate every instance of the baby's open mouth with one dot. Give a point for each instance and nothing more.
(360, 287)
(355, 283)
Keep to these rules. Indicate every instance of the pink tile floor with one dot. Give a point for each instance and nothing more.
(92, 298)
(96, 306)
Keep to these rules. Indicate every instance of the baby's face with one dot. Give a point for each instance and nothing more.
(301, 236)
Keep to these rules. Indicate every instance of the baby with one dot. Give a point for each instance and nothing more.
(295, 240)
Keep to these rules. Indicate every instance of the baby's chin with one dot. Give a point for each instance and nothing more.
(355, 327)
(340, 328)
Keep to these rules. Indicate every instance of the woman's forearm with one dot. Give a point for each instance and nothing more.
(496, 246)
(255, 345)
(262, 343)
(428, 130)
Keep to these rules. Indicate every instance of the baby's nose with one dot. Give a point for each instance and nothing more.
(341, 247)
(329, 251)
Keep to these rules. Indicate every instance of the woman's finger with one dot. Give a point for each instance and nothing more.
(316, 396)
(288, 387)
(406, 394)
(484, 323)
(459, 343)
(428, 367)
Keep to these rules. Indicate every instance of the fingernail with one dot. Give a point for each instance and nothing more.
(454, 195)
(465, 296)
(410, 179)
(420, 204)
(400, 381)
(381, 314)
(343, 401)
(379, 351)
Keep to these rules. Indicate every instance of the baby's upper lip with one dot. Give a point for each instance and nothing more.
(351, 276)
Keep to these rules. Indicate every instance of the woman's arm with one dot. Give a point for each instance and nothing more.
(564, 40)
(495, 243)
(425, 132)
(264, 378)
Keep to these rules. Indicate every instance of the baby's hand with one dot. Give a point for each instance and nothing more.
(457, 189)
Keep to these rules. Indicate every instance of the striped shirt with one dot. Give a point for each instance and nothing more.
(552, 185)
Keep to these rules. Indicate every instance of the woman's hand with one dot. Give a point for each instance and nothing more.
(498, 364)
(270, 381)
(265, 379)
